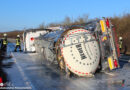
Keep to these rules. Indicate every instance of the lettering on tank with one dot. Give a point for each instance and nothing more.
(79, 48)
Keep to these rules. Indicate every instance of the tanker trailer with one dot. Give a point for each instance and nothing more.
(80, 50)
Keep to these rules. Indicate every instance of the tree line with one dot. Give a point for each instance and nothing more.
(121, 24)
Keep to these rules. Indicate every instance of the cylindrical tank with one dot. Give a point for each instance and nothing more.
(80, 49)
(75, 50)
(28, 38)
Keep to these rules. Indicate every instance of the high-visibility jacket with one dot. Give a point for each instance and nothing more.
(18, 41)
(120, 44)
(5, 42)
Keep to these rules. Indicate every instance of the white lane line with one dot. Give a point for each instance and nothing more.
(26, 80)
(124, 60)
(109, 73)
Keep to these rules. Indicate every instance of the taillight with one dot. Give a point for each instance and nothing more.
(107, 23)
(115, 63)
(32, 39)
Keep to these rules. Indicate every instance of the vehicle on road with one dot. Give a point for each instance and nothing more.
(81, 49)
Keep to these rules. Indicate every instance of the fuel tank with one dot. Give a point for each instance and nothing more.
(76, 50)
(80, 50)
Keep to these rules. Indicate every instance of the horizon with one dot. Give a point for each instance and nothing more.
(25, 14)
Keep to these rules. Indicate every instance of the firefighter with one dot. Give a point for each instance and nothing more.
(18, 43)
(4, 42)
(120, 43)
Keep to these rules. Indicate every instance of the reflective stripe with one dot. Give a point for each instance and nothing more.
(5, 41)
(120, 44)
(103, 26)
(17, 41)
(110, 62)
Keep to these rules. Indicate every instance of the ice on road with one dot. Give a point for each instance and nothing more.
(28, 70)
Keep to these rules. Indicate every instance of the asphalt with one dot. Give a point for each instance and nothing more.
(28, 71)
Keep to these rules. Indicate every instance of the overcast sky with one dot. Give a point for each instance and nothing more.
(20, 14)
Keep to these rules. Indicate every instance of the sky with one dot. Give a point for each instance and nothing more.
(24, 14)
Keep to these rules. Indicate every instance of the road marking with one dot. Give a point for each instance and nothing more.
(26, 80)
(124, 60)
(111, 74)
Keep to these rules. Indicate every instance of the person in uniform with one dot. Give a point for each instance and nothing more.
(4, 42)
(18, 43)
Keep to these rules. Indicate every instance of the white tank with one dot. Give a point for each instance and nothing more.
(76, 50)
(80, 51)
(28, 38)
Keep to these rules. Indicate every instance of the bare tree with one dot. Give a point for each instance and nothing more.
(81, 19)
(52, 24)
(67, 21)
(42, 26)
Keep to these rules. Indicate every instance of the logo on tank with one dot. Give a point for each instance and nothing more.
(79, 48)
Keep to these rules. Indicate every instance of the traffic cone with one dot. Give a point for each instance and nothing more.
(1, 82)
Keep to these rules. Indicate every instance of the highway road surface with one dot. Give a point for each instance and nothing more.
(27, 71)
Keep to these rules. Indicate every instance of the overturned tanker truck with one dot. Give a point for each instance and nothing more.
(82, 49)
